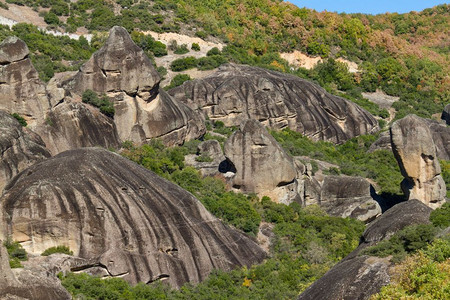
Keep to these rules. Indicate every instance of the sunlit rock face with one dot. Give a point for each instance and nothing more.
(122, 217)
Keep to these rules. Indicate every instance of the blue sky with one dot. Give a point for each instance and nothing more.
(368, 6)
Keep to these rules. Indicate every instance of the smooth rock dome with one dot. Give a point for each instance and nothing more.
(124, 218)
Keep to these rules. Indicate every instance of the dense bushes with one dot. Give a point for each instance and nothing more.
(105, 105)
(20, 119)
(177, 81)
(352, 157)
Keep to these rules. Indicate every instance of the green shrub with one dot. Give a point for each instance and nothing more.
(178, 80)
(182, 64)
(213, 51)
(16, 253)
(51, 18)
(57, 249)
(441, 216)
(19, 118)
(203, 158)
(104, 104)
(183, 49)
(195, 47)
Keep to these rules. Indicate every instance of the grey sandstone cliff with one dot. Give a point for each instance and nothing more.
(415, 151)
(143, 111)
(19, 148)
(122, 217)
(236, 93)
(260, 164)
(21, 90)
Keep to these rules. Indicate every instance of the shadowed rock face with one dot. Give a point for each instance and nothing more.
(72, 125)
(415, 151)
(21, 91)
(143, 111)
(261, 165)
(123, 217)
(236, 93)
(446, 114)
(19, 148)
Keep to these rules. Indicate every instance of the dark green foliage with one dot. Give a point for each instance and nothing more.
(195, 47)
(51, 18)
(57, 249)
(149, 44)
(441, 216)
(177, 81)
(103, 103)
(407, 240)
(16, 253)
(210, 62)
(352, 157)
(219, 127)
(203, 158)
(183, 49)
(19, 118)
(182, 64)
(213, 51)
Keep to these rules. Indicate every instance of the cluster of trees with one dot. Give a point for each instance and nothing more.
(352, 157)
(105, 105)
(212, 60)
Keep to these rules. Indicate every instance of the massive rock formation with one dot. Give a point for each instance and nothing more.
(359, 277)
(19, 148)
(260, 164)
(439, 131)
(343, 196)
(71, 125)
(21, 91)
(143, 111)
(415, 151)
(209, 158)
(124, 218)
(236, 93)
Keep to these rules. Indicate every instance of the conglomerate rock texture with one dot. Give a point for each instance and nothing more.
(415, 151)
(236, 93)
(19, 148)
(122, 70)
(21, 90)
(126, 219)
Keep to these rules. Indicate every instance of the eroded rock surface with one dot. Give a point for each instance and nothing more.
(24, 284)
(208, 158)
(347, 196)
(72, 125)
(21, 90)
(236, 93)
(128, 220)
(358, 278)
(260, 163)
(415, 151)
(143, 111)
(19, 148)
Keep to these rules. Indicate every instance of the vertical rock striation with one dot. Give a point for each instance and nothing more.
(123, 218)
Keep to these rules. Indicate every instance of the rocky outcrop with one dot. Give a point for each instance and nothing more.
(72, 125)
(209, 158)
(27, 285)
(446, 114)
(355, 279)
(236, 93)
(415, 151)
(359, 277)
(21, 91)
(143, 111)
(439, 131)
(347, 196)
(19, 148)
(395, 219)
(260, 163)
(126, 219)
